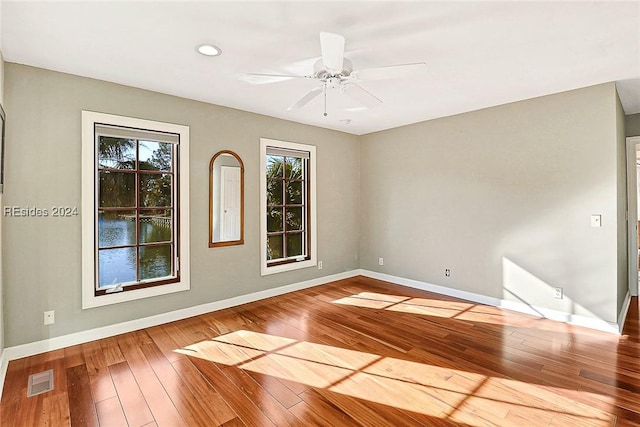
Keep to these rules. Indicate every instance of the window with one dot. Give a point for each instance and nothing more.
(288, 224)
(135, 205)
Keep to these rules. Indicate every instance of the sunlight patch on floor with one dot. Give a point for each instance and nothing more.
(466, 311)
(434, 307)
(436, 391)
(424, 306)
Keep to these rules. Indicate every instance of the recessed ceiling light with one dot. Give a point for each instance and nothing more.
(209, 50)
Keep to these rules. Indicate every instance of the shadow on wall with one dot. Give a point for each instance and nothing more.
(522, 286)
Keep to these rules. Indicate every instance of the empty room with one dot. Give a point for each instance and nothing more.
(301, 213)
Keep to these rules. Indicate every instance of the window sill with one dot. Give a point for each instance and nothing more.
(91, 301)
(265, 271)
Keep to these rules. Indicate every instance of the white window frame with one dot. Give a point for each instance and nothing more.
(313, 255)
(88, 213)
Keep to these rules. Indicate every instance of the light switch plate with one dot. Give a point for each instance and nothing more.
(596, 220)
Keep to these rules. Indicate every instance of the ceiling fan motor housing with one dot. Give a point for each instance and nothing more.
(319, 72)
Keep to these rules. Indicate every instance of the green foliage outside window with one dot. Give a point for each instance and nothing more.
(285, 207)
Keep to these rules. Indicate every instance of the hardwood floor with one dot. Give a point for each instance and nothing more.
(353, 352)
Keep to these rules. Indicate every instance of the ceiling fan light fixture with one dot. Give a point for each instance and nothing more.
(209, 50)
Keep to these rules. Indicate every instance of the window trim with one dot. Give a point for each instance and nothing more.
(312, 202)
(88, 213)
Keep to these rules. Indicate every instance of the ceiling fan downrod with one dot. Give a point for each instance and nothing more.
(325, 99)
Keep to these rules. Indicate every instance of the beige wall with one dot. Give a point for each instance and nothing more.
(632, 124)
(621, 167)
(503, 198)
(42, 267)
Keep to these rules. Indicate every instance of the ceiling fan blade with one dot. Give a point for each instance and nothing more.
(361, 95)
(332, 47)
(290, 76)
(266, 78)
(306, 98)
(390, 72)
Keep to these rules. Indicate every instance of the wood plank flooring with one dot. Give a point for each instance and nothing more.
(357, 352)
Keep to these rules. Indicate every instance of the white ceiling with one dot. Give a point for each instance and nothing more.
(478, 54)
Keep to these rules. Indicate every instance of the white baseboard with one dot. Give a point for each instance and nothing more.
(55, 343)
(587, 322)
(4, 364)
(622, 316)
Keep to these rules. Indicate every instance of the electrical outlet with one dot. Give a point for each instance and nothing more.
(380, 261)
(319, 265)
(558, 294)
(49, 317)
(447, 272)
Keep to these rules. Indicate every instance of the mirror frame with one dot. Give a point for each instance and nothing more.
(213, 244)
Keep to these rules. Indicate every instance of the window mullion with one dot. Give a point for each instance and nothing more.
(285, 248)
(307, 208)
(137, 219)
(96, 207)
(175, 197)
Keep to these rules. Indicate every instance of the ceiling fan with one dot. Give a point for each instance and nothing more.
(334, 71)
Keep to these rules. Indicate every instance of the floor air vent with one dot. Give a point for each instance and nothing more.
(39, 383)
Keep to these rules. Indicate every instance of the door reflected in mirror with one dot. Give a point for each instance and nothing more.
(226, 199)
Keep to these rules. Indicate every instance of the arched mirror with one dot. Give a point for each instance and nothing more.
(226, 199)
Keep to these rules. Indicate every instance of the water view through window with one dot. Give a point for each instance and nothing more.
(135, 218)
(119, 265)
